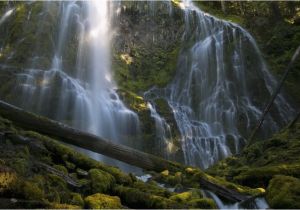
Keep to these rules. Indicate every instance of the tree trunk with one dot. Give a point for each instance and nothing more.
(96, 144)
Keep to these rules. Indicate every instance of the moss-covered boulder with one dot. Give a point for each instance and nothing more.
(261, 161)
(62, 206)
(102, 201)
(283, 192)
(202, 203)
(32, 191)
(135, 198)
(77, 200)
(101, 181)
(7, 178)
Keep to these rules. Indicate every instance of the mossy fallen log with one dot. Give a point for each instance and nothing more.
(96, 144)
(84, 140)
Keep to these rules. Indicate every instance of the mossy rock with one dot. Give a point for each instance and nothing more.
(182, 197)
(152, 188)
(120, 176)
(260, 176)
(20, 165)
(102, 201)
(283, 192)
(77, 200)
(70, 165)
(7, 178)
(202, 203)
(135, 198)
(101, 181)
(165, 173)
(61, 168)
(62, 206)
(187, 196)
(32, 191)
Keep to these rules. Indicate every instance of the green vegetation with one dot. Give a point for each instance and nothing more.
(147, 68)
(283, 192)
(101, 181)
(260, 164)
(46, 174)
(142, 57)
(102, 201)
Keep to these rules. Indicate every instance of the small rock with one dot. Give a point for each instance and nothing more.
(81, 172)
(165, 173)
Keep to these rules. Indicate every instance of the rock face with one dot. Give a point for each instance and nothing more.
(146, 44)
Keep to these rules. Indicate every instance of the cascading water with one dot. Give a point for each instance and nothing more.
(163, 133)
(257, 203)
(216, 94)
(84, 96)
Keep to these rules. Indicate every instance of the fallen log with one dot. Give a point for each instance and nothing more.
(84, 140)
(223, 191)
(66, 134)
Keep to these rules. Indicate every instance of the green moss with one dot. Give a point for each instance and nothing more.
(187, 196)
(284, 193)
(219, 14)
(260, 176)
(135, 198)
(62, 206)
(32, 191)
(202, 203)
(70, 166)
(80, 160)
(120, 176)
(227, 184)
(101, 201)
(158, 64)
(20, 165)
(77, 199)
(151, 188)
(7, 179)
(61, 168)
(101, 181)
(258, 163)
(182, 197)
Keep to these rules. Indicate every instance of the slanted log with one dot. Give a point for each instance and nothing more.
(84, 140)
(223, 191)
(66, 134)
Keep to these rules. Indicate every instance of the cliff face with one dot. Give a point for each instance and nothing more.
(146, 44)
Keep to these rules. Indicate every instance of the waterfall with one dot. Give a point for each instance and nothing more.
(217, 95)
(219, 90)
(83, 96)
(163, 133)
(257, 203)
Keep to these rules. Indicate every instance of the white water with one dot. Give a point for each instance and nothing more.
(257, 203)
(219, 90)
(84, 97)
(163, 133)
